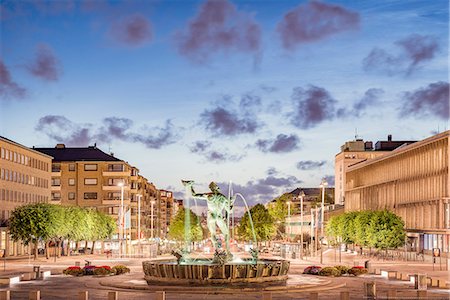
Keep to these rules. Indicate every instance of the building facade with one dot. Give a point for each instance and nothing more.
(25, 177)
(413, 182)
(165, 211)
(353, 152)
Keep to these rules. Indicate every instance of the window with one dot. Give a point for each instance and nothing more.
(56, 196)
(71, 196)
(2, 173)
(90, 181)
(90, 167)
(56, 181)
(71, 167)
(56, 168)
(115, 181)
(71, 181)
(116, 168)
(3, 152)
(114, 195)
(90, 195)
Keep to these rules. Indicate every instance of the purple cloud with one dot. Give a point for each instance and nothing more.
(371, 98)
(45, 64)
(61, 129)
(221, 121)
(312, 106)
(432, 100)
(8, 88)
(281, 144)
(314, 21)
(330, 180)
(132, 30)
(204, 148)
(413, 50)
(305, 165)
(218, 27)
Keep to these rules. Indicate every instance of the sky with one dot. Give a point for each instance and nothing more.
(258, 93)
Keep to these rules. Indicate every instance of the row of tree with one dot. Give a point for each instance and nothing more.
(47, 223)
(377, 229)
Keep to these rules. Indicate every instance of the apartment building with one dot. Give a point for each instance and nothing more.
(353, 152)
(25, 176)
(89, 177)
(412, 181)
(165, 211)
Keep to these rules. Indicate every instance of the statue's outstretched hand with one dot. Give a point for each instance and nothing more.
(187, 182)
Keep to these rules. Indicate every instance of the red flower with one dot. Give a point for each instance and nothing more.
(74, 268)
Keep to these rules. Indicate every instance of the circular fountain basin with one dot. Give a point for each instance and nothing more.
(205, 272)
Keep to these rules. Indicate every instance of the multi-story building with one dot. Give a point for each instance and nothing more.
(165, 211)
(356, 151)
(25, 176)
(412, 181)
(89, 177)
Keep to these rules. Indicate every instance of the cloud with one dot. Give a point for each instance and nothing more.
(250, 103)
(413, 50)
(432, 100)
(221, 121)
(204, 148)
(132, 30)
(218, 27)
(315, 21)
(312, 106)
(330, 180)
(45, 65)
(63, 130)
(310, 164)
(8, 88)
(281, 144)
(371, 98)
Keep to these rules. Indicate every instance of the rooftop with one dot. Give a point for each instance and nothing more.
(90, 153)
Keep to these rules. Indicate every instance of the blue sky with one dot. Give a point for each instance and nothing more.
(260, 93)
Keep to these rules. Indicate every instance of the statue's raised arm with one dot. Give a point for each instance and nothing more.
(190, 184)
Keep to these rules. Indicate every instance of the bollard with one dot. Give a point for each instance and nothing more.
(313, 296)
(83, 295)
(392, 294)
(160, 295)
(113, 295)
(345, 295)
(34, 295)
(5, 295)
(421, 294)
(266, 296)
(420, 281)
(370, 290)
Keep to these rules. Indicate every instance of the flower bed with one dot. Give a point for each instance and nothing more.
(96, 270)
(335, 271)
(357, 270)
(330, 271)
(313, 270)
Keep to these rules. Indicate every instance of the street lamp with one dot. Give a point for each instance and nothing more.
(323, 184)
(121, 225)
(302, 195)
(151, 218)
(289, 219)
(139, 196)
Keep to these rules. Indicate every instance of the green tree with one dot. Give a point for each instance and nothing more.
(386, 230)
(362, 223)
(177, 227)
(278, 209)
(263, 224)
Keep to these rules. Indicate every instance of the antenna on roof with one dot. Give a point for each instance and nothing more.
(356, 133)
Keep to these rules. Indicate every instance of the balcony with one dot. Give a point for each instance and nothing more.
(56, 173)
(115, 188)
(114, 202)
(116, 173)
(55, 188)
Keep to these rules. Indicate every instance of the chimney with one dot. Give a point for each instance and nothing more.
(390, 138)
(60, 146)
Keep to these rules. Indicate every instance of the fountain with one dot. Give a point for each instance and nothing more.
(223, 267)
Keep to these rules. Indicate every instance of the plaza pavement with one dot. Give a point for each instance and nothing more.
(66, 287)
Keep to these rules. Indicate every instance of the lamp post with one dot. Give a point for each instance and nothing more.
(139, 196)
(121, 225)
(302, 194)
(289, 220)
(151, 218)
(323, 184)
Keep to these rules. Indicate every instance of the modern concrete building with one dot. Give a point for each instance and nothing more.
(412, 181)
(356, 151)
(25, 176)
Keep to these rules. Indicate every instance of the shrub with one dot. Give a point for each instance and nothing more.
(342, 269)
(120, 269)
(313, 270)
(330, 271)
(88, 270)
(103, 270)
(358, 270)
(74, 271)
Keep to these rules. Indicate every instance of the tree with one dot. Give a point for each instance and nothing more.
(362, 223)
(386, 230)
(177, 227)
(263, 224)
(278, 209)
